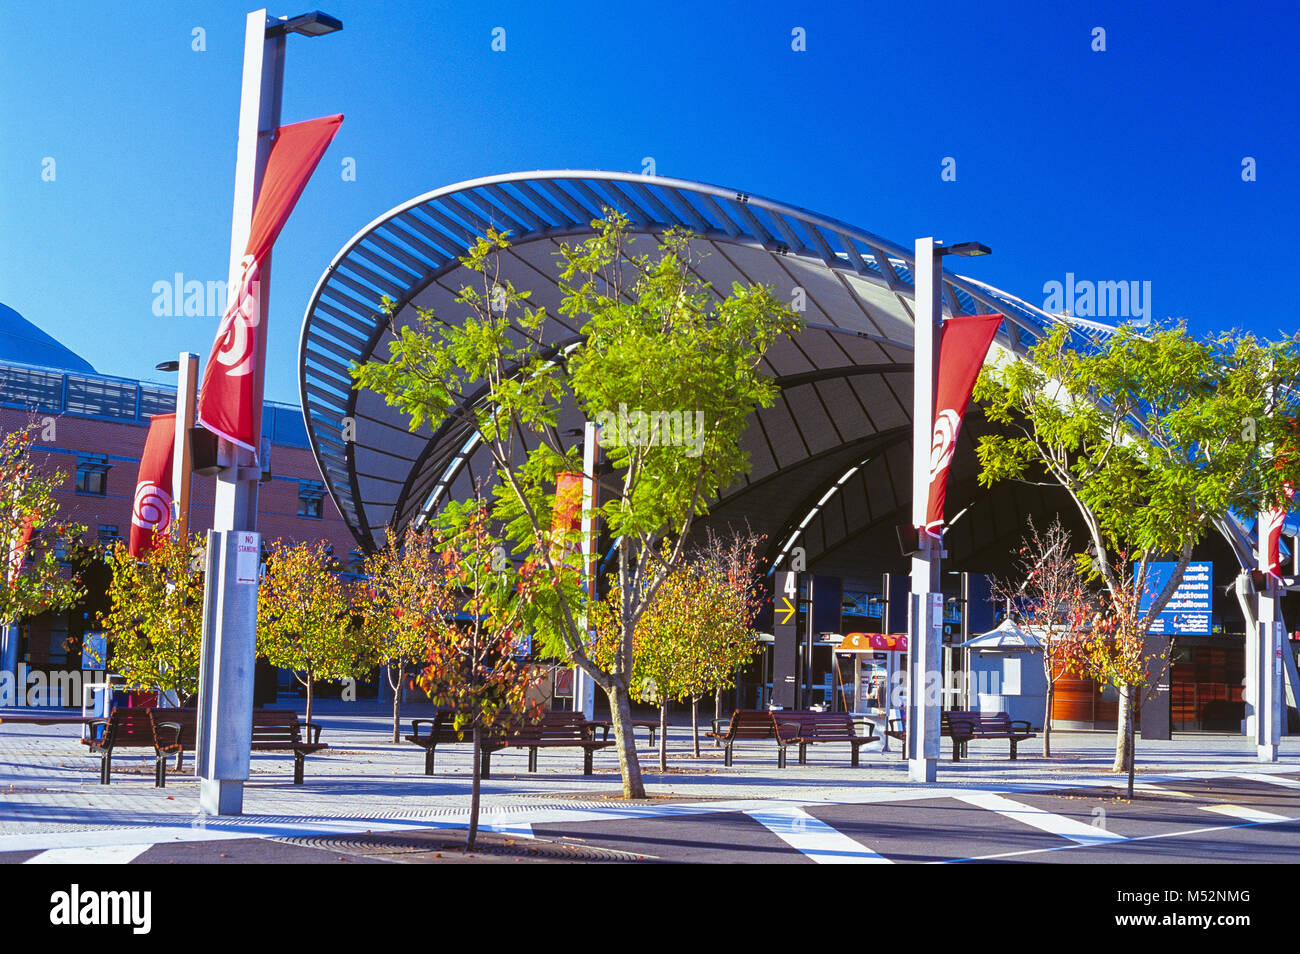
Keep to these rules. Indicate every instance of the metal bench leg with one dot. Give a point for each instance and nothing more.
(160, 771)
(726, 757)
(956, 751)
(299, 763)
(428, 761)
(180, 756)
(803, 754)
(780, 756)
(485, 764)
(105, 767)
(532, 759)
(587, 753)
(1013, 750)
(853, 762)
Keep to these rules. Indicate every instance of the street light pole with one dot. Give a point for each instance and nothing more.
(925, 616)
(230, 598)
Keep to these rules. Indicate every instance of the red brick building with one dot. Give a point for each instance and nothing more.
(91, 428)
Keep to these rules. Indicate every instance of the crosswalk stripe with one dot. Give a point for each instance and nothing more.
(816, 839)
(99, 855)
(1245, 813)
(1271, 779)
(1061, 825)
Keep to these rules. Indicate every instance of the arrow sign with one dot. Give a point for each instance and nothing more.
(787, 608)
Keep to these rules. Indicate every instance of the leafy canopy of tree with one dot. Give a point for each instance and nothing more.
(155, 622)
(32, 537)
(649, 336)
(1154, 437)
(304, 619)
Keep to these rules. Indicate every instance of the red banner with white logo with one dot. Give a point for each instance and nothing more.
(230, 400)
(964, 342)
(151, 510)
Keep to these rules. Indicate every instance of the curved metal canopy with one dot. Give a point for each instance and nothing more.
(831, 459)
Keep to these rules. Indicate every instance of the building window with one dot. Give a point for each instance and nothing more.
(311, 494)
(92, 475)
(108, 534)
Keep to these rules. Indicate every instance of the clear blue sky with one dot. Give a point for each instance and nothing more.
(1116, 165)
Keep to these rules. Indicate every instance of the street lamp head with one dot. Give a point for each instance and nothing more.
(306, 24)
(964, 249)
(168, 366)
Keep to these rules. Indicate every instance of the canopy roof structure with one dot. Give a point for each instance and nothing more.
(832, 457)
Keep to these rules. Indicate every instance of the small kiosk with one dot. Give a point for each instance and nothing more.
(876, 662)
(1005, 673)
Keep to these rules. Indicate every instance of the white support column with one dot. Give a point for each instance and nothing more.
(925, 618)
(1267, 661)
(230, 618)
(584, 689)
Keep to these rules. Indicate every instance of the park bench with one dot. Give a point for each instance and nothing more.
(748, 725)
(960, 733)
(123, 729)
(556, 729)
(996, 725)
(174, 731)
(278, 730)
(804, 728)
(441, 730)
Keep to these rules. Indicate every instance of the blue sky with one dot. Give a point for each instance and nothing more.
(1117, 165)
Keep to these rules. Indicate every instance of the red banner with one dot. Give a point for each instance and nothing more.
(151, 511)
(964, 343)
(566, 517)
(1270, 532)
(230, 400)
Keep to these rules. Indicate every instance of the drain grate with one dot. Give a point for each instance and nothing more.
(453, 841)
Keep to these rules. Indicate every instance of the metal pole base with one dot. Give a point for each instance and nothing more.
(220, 796)
(1266, 753)
(922, 770)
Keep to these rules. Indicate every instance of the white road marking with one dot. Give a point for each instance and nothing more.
(1271, 779)
(1061, 825)
(816, 839)
(1245, 813)
(101, 855)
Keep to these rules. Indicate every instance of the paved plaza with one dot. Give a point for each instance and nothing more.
(1202, 798)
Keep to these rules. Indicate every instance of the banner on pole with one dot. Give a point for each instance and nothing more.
(151, 508)
(230, 399)
(964, 342)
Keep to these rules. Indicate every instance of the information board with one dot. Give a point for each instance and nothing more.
(1188, 611)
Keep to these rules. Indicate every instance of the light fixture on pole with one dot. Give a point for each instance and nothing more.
(925, 617)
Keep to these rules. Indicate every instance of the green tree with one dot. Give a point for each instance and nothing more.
(695, 634)
(154, 624)
(656, 349)
(32, 538)
(404, 600)
(1154, 437)
(304, 621)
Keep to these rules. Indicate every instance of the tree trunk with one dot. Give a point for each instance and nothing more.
(1047, 723)
(663, 737)
(1121, 731)
(1132, 762)
(620, 710)
(474, 787)
(310, 680)
(717, 704)
(695, 723)
(397, 704)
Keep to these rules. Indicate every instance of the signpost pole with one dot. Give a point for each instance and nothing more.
(925, 622)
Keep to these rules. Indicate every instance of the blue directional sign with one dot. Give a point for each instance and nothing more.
(1188, 611)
